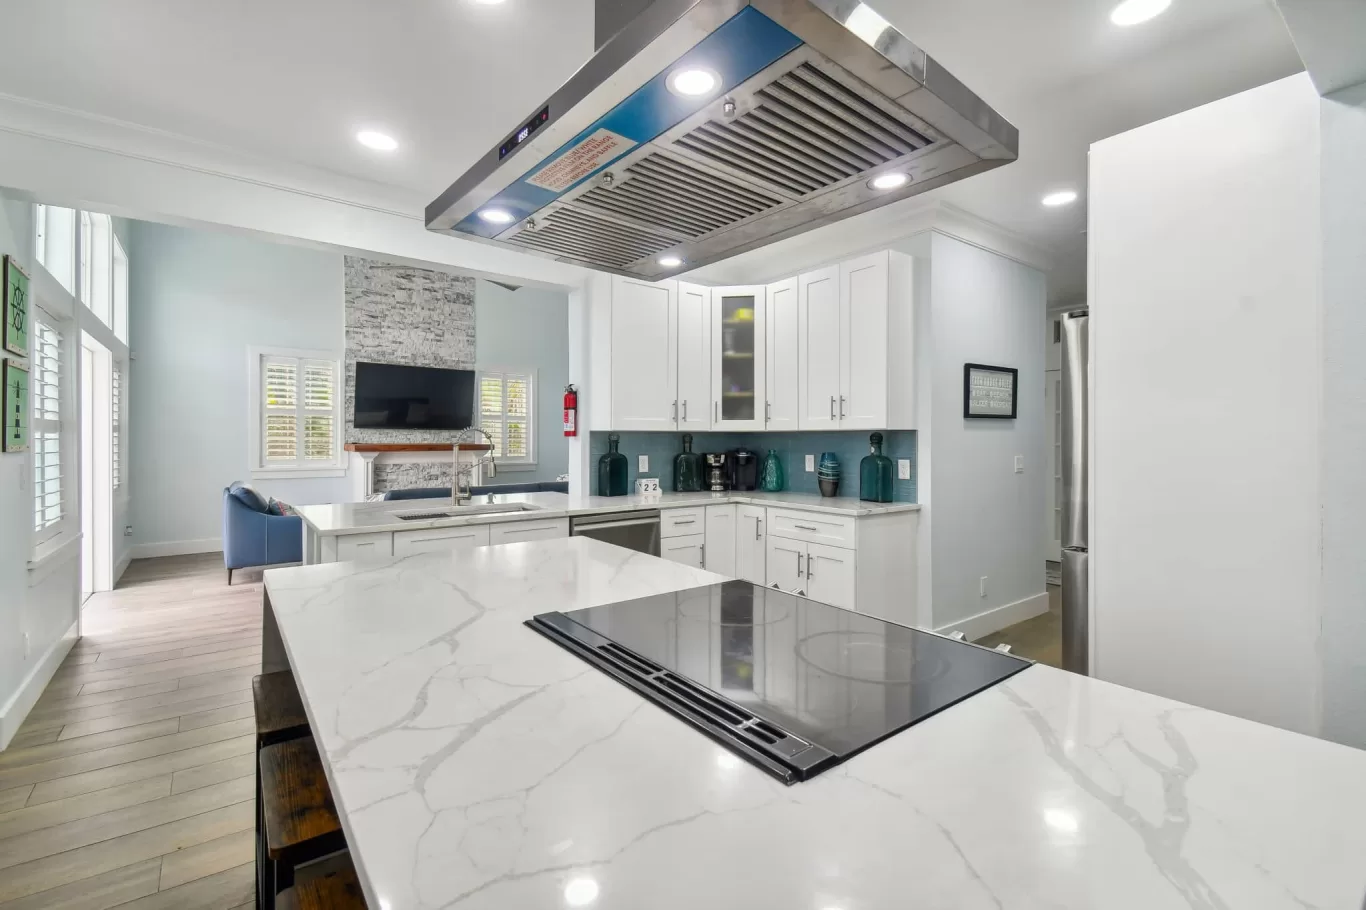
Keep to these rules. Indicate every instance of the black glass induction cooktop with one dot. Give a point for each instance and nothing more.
(794, 686)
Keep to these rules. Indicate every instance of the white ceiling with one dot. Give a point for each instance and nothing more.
(292, 82)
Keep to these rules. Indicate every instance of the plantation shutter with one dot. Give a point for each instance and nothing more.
(505, 413)
(320, 402)
(299, 408)
(116, 424)
(49, 493)
(280, 386)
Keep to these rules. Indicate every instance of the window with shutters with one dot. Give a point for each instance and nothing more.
(97, 265)
(54, 243)
(51, 463)
(507, 412)
(297, 414)
(116, 425)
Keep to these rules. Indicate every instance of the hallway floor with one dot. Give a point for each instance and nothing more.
(1039, 638)
(131, 783)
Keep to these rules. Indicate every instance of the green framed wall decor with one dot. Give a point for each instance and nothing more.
(16, 308)
(16, 408)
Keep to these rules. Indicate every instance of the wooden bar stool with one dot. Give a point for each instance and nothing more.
(299, 818)
(338, 891)
(279, 717)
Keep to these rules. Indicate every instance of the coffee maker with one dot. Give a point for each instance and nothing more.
(742, 470)
(717, 478)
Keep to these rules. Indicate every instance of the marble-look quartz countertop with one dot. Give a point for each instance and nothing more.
(477, 765)
(368, 517)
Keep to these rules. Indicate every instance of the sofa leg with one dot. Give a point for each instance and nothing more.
(230, 576)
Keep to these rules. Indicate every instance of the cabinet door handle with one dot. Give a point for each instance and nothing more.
(717, 411)
(768, 411)
(809, 560)
(841, 406)
(702, 550)
(685, 410)
(799, 565)
(832, 407)
(758, 528)
(675, 417)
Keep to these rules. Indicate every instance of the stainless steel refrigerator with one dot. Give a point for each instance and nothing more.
(1076, 467)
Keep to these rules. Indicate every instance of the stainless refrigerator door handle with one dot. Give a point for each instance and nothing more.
(841, 405)
(832, 407)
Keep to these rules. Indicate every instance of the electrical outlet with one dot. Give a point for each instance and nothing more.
(903, 469)
(127, 530)
(643, 463)
(811, 462)
(1019, 464)
(982, 587)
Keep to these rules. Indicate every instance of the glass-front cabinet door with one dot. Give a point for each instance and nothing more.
(739, 320)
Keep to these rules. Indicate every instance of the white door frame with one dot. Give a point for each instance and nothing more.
(97, 479)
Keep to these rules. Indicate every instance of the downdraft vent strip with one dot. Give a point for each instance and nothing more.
(808, 132)
(661, 190)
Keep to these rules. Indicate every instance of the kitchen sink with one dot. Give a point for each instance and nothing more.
(458, 511)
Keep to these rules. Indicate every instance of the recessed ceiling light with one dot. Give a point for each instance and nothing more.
(670, 262)
(496, 216)
(1062, 197)
(1132, 12)
(892, 181)
(693, 82)
(377, 141)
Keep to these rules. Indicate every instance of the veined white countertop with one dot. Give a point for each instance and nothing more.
(477, 765)
(368, 517)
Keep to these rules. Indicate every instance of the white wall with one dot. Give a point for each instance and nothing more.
(1343, 430)
(38, 609)
(984, 517)
(1204, 249)
(122, 505)
(199, 300)
(529, 327)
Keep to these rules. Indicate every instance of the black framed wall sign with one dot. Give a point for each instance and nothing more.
(990, 392)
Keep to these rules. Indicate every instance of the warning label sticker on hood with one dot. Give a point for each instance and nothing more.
(581, 160)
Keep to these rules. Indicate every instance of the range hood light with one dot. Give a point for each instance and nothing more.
(496, 216)
(693, 82)
(670, 262)
(893, 181)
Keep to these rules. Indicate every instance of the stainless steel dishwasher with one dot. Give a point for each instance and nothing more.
(635, 530)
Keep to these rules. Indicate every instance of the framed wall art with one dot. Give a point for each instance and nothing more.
(16, 308)
(16, 408)
(990, 392)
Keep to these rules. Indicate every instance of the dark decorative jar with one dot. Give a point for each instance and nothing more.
(612, 479)
(875, 473)
(772, 478)
(828, 474)
(687, 468)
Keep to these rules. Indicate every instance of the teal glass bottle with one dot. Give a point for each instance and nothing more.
(772, 478)
(612, 469)
(687, 468)
(875, 473)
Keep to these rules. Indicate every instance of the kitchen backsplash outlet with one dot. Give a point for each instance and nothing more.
(793, 448)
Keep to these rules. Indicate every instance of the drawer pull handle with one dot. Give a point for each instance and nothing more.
(685, 521)
(806, 528)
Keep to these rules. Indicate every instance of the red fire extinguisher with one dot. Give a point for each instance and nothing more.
(571, 411)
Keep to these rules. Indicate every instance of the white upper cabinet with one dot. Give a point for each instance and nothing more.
(738, 346)
(694, 357)
(819, 349)
(863, 335)
(781, 388)
(644, 354)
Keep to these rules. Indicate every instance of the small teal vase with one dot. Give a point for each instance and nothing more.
(771, 478)
(828, 474)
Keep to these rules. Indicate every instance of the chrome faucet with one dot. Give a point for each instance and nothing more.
(459, 494)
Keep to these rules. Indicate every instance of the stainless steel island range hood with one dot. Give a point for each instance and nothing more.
(705, 128)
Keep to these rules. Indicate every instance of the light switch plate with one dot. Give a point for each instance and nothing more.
(811, 462)
(643, 462)
(903, 469)
(1019, 464)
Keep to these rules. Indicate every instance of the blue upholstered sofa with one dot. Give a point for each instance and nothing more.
(254, 537)
(544, 486)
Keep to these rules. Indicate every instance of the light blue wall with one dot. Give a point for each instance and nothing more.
(529, 328)
(792, 448)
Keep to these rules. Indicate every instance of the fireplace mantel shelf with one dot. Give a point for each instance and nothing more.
(414, 447)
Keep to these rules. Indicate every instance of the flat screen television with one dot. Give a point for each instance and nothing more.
(391, 397)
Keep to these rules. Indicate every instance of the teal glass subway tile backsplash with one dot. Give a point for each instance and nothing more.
(848, 445)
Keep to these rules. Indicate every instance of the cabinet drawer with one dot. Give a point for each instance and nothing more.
(364, 546)
(516, 531)
(681, 522)
(813, 527)
(433, 540)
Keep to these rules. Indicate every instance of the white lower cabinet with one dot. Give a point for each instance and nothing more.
(690, 550)
(721, 540)
(364, 546)
(518, 531)
(750, 549)
(786, 565)
(830, 575)
(435, 540)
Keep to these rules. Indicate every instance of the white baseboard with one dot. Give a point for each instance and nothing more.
(22, 702)
(997, 618)
(177, 548)
(122, 565)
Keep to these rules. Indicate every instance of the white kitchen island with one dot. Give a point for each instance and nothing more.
(476, 764)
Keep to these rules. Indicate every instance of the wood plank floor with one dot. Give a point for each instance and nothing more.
(131, 783)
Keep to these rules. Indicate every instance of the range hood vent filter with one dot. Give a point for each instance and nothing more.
(586, 236)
